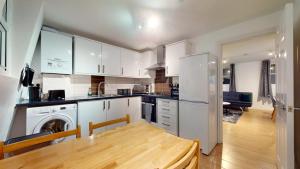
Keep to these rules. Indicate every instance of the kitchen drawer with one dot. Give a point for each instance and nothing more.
(168, 111)
(166, 103)
(168, 126)
(167, 118)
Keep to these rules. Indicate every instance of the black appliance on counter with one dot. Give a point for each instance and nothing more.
(34, 93)
(174, 90)
(149, 108)
(56, 95)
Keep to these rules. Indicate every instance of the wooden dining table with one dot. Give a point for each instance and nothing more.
(138, 145)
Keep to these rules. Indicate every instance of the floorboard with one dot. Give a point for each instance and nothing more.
(248, 144)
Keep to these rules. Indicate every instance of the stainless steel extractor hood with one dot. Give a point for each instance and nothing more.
(160, 64)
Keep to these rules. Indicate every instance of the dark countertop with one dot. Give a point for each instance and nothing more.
(27, 103)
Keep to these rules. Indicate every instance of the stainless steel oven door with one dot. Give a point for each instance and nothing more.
(147, 110)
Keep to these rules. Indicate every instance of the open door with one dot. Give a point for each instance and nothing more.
(285, 91)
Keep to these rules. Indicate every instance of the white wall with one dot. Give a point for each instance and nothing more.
(24, 21)
(247, 80)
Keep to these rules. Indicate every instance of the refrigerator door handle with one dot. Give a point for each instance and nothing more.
(192, 101)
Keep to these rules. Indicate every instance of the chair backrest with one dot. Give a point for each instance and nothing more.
(190, 160)
(38, 140)
(107, 123)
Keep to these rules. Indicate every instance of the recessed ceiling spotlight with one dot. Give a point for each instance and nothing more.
(224, 61)
(270, 53)
(140, 27)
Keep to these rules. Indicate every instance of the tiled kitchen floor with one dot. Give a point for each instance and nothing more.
(248, 144)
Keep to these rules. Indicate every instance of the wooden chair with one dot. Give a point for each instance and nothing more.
(190, 160)
(107, 123)
(35, 141)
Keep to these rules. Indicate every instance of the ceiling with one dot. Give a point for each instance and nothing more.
(118, 21)
(250, 49)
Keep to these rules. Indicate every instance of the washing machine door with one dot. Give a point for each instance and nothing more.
(55, 124)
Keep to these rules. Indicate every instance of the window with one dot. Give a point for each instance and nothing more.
(273, 74)
(3, 39)
(226, 76)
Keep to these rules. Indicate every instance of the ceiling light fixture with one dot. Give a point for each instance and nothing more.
(270, 53)
(153, 22)
(224, 61)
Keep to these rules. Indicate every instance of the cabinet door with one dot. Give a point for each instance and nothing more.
(146, 61)
(91, 111)
(56, 53)
(130, 63)
(111, 60)
(116, 109)
(173, 53)
(134, 108)
(87, 56)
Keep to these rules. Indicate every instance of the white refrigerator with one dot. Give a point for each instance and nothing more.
(198, 100)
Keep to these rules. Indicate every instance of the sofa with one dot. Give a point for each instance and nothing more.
(238, 100)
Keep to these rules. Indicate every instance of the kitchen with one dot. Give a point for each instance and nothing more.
(72, 78)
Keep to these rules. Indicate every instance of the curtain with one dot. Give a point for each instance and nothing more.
(265, 88)
(232, 87)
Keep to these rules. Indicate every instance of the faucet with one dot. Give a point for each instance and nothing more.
(99, 89)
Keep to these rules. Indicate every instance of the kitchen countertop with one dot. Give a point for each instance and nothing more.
(27, 103)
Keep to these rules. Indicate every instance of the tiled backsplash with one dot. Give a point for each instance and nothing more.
(74, 85)
(77, 85)
(162, 83)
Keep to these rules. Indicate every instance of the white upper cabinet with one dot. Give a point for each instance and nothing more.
(130, 63)
(111, 60)
(87, 56)
(173, 53)
(147, 59)
(56, 53)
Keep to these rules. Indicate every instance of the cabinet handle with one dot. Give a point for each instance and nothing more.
(128, 103)
(166, 124)
(122, 71)
(98, 68)
(139, 72)
(103, 69)
(103, 105)
(166, 109)
(108, 105)
(165, 117)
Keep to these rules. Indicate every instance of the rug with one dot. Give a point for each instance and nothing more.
(232, 116)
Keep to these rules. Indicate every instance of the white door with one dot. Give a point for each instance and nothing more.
(130, 61)
(91, 111)
(111, 60)
(193, 78)
(285, 92)
(115, 109)
(56, 53)
(87, 56)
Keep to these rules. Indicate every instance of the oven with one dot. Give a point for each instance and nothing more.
(149, 108)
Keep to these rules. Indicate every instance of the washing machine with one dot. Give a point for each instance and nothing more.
(52, 119)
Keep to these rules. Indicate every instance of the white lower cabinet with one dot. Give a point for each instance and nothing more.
(91, 111)
(115, 110)
(167, 115)
(134, 108)
(104, 110)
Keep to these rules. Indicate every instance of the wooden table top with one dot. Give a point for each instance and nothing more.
(137, 145)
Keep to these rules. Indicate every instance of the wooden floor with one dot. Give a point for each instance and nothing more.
(248, 144)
